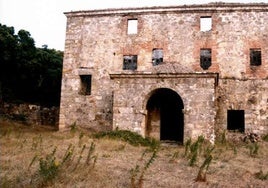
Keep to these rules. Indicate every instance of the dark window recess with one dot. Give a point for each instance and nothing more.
(205, 58)
(157, 56)
(236, 120)
(255, 57)
(130, 62)
(85, 84)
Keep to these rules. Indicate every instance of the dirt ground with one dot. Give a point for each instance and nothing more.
(81, 160)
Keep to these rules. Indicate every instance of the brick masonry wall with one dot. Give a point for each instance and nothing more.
(96, 42)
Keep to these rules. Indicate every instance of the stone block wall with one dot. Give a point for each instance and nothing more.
(131, 94)
(248, 95)
(31, 114)
(97, 40)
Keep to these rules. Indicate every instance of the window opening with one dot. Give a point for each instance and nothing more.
(236, 120)
(130, 62)
(132, 26)
(157, 56)
(205, 23)
(205, 58)
(85, 84)
(255, 57)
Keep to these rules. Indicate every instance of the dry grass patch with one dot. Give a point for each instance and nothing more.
(40, 156)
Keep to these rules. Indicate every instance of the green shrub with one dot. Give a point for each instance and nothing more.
(48, 167)
(261, 175)
(130, 137)
(253, 149)
(19, 117)
(265, 137)
(73, 128)
(223, 139)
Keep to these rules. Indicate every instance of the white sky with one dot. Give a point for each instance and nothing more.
(45, 20)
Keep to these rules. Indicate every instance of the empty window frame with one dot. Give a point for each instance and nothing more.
(157, 56)
(130, 62)
(236, 120)
(255, 57)
(205, 23)
(85, 84)
(132, 26)
(205, 58)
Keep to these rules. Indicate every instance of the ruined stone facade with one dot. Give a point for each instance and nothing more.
(167, 72)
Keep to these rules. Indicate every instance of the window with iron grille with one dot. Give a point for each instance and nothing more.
(157, 56)
(130, 62)
(205, 58)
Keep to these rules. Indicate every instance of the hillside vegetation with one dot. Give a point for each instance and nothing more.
(28, 74)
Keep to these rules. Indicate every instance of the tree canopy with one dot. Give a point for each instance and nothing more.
(28, 74)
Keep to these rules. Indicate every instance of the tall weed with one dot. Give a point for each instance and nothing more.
(48, 167)
(193, 149)
(201, 176)
(137, 173)
(253, 149)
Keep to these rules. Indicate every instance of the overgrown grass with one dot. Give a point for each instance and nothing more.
(34, 157)
(50, 165)
(130, 137)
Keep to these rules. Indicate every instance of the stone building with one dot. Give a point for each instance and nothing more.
(167, 72)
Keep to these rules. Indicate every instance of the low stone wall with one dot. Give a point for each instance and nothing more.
(31, 114)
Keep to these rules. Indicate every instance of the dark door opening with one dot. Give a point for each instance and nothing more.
(165, 109)
(236, 120)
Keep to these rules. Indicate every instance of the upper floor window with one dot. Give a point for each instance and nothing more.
(132, 26)
(255, 57)
(205, 23)
(130, 62)
(205, 58)
(157, 56)
(85, 84)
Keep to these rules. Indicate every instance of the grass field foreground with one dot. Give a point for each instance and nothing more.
(42, 157)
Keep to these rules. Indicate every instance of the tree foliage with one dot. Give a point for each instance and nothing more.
(28, 74)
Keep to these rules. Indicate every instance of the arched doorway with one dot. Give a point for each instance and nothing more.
(165, 117)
